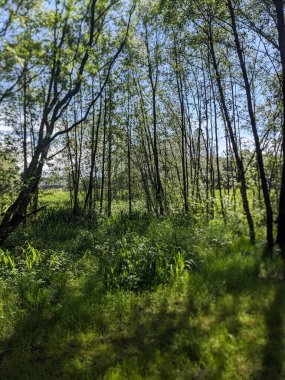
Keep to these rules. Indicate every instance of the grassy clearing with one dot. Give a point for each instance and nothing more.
(139, 299)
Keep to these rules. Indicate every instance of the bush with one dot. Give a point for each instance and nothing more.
(134, 263)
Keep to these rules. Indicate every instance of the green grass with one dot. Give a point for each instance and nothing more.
(146, 298)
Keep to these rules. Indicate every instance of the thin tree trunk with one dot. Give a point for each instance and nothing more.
(182, 123)
(153, 78)
(89, 201)
(239, 162)
(129, 144)
(109, 162)
(279, 4)
(264, 184)
(103, 156)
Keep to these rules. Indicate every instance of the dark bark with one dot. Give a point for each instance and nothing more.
(109, 161)
(239, 162)
(179, 82)
(90, 198)
(153, 78)
(263, 179)
(129, 147)
(103, 156)
(219, 182)
(279, 4)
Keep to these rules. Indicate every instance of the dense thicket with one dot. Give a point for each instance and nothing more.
(179, 106)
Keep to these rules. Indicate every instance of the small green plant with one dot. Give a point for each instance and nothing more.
(31, 255)
(6, 259)
(135, 263)
(114, 300)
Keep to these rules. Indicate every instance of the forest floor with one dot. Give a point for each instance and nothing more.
(147, 298)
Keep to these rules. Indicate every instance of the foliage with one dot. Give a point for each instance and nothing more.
(9, 177)
(138, 298)
(161, 124)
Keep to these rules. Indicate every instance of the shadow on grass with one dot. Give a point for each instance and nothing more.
(273, 357)
(49, 348)
(81, 340)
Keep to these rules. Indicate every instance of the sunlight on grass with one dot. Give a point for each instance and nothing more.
(140, 299)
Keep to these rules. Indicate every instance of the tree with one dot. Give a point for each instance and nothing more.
(69, 58)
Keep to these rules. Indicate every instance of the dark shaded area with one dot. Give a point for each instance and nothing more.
(273, 358)
(46, 343)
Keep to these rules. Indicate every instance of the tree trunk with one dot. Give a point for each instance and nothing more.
(281, 212)
(264, 184)
(90, 198)
(239, 162)
(103, 156)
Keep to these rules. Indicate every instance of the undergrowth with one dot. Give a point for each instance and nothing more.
(145, 298)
